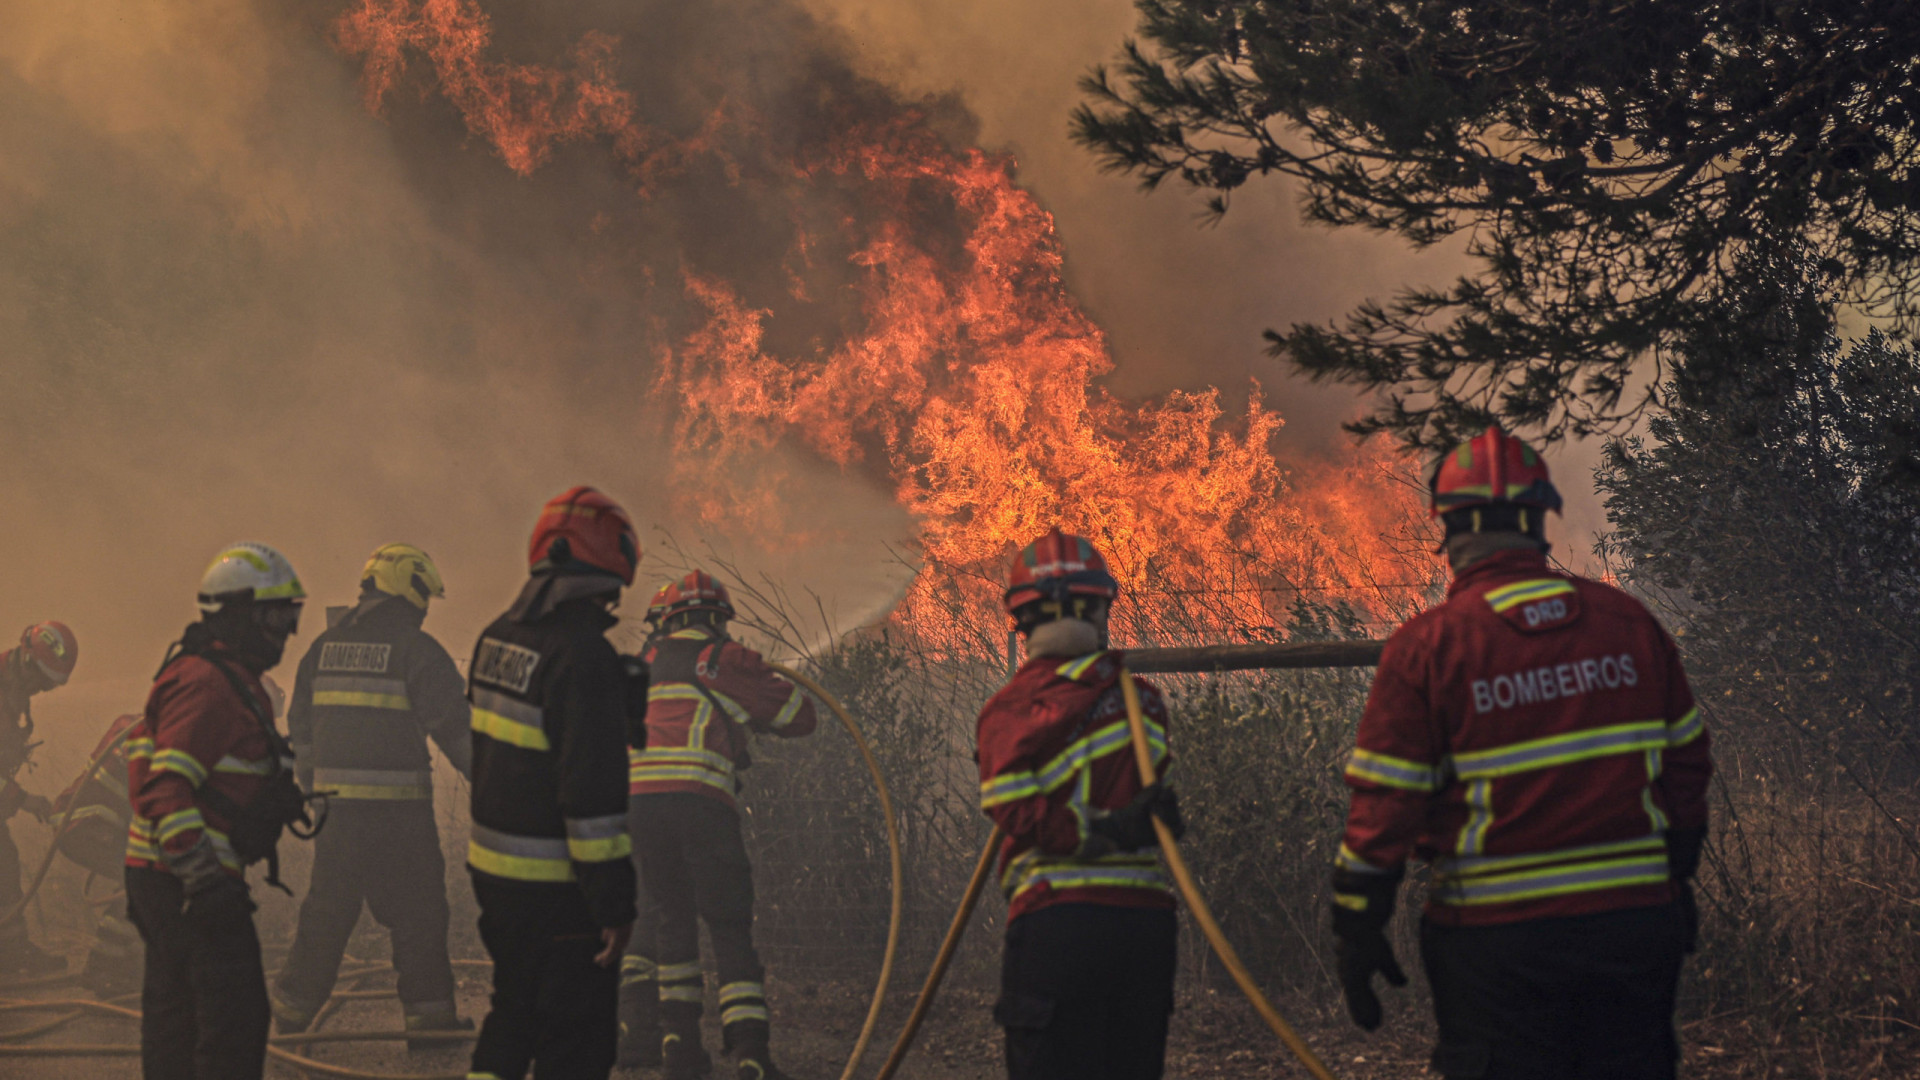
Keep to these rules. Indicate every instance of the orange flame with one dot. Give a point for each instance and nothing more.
(972, 384)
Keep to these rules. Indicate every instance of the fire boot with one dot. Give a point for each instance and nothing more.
(753, 1060)
(434, 1022)
(640, 1033)
(682, 1056)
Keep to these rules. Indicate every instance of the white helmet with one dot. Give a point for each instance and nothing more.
(254, 569)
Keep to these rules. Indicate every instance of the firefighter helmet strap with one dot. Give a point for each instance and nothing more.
(1497, 517)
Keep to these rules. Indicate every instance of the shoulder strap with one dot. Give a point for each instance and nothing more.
(276, 746)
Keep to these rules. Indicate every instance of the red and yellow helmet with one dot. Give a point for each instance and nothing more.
(582, 529)
(1055, 567)
(1490, 468)
(698, 591)
(52, 648)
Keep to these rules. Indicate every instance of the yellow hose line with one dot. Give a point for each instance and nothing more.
(893, 854)
(982, 870)
(1197, 904)
(46, 862)
(40, 1028)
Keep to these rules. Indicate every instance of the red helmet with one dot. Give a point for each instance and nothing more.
(52, 648)
(1492, 467)
(1056, 566)
(698, 591)
(581, 529)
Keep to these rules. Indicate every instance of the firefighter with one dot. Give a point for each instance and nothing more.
(1534, 739)
(707, 692)
(368, 695)
(1086, 979)
(211, 785)
(94, 815)
(549, 854)
(42, 661)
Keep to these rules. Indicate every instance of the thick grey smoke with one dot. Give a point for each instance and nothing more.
(235, 304)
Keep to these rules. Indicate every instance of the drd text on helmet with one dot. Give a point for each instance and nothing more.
(51, 647)
(581, 531)
(405, 571)
(1059, 576)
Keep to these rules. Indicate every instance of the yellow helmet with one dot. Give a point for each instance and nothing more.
(403, 570)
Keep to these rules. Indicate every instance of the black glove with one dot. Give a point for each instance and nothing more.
(639, 681)
(213, 896)
(1130, 828)
(1362, 905)
(1683, 860)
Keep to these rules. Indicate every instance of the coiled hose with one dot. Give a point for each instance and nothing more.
(893, 855)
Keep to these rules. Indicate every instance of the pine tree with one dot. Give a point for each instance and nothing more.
(1606, 164)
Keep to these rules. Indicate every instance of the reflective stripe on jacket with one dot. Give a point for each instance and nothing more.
(1054, 747)
(368, 694)
(196, 733)
(692, 746)
(1534, 737)
(549, 762)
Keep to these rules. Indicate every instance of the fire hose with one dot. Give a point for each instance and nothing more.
(1196, 903)
(59, 822)
(982, 870)
(893, 854)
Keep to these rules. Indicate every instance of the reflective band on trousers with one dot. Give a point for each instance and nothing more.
(374, 783)
(516, 723)
(521, 858)
(354, 692)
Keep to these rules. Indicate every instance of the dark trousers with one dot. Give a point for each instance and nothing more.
(204, 996)
(1085, 992)
(14, 933)
(693, 869)
(554, 1009)
(385, 855)
(1583, 998)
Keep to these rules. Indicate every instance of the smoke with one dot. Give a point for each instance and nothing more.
(234, 304)
(237, 302)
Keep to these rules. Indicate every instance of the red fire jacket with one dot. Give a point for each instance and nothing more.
(196, 732)
(1534, 738)
(692, 746)
(1054, 744)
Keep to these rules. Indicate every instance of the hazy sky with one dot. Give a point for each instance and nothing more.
(233, 304)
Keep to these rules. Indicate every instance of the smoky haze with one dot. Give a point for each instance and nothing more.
(236, 304)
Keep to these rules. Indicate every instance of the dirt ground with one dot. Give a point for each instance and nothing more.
(1214, 1036)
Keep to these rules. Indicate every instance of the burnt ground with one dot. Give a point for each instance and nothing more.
(1214, 1035)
